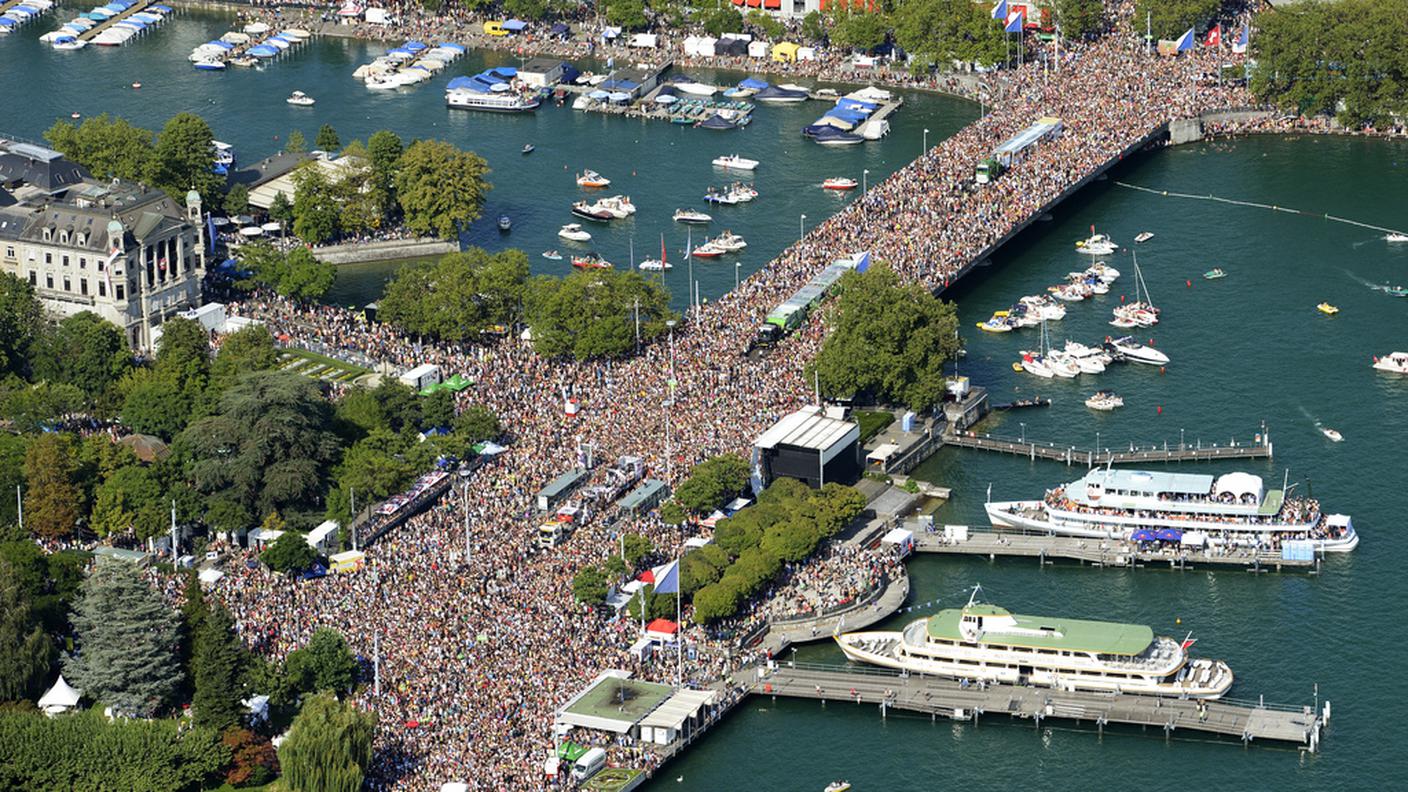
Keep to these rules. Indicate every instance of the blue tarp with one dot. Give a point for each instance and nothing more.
(561, 29)
(399, 51)
(619, 97)
(414, 46)
(620, 85)
(852, 116)
(453, 47)
(263, 51)
(717, 122)
(459, 83)
(752, 82)
(857, 104)
(598, 95)
(515, 25)
(8, 22)
(218, 43)
(1143, 536)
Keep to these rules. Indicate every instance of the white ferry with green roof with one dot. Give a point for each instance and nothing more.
(1233, 510)
(986, 643)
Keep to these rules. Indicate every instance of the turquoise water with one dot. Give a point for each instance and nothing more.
(1244, 349)
(661, 166)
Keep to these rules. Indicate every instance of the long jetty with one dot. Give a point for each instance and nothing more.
(1244, 721)
(1119, 554)
(137, 8)
(1259, 448)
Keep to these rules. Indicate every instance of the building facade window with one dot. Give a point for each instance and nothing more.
(82, 263)
(48, 258)
(33, 278)
(68, 285)
(65, 260)
(120, 291)
(48, 280)
(102, 289)
(83, 286)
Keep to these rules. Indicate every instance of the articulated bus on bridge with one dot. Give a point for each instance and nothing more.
(794, 310)
(1016, 148)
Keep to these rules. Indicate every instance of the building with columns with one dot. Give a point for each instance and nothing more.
(126, 252)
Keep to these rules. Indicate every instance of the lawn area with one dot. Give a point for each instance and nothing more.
(872, 422)
(321, 367)
(612, 779)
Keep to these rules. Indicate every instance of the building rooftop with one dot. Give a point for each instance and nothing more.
(613, 702)
(1156, 481)
(1044, 632)
(806, 428)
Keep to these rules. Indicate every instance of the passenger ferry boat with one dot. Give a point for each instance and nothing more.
(983, 642)
(493, 102)
(1232, 509)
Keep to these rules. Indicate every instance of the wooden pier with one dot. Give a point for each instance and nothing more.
(936, 697)
(1103, 552)
(1258, 448)
(92, 32)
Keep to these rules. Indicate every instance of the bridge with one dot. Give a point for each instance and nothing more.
(1258, 448)
(1243, 721)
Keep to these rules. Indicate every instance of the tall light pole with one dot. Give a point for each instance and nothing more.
(926, 142)
(800, 231)
(466, 522)
(671, 324)
(864, 180)
(1024, 432)
(737, 269)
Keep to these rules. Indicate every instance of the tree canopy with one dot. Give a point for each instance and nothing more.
(25, 651)
(938, 32)
(297, 274)
(712, 483)
(109, 147)
(886, 341)
(329, 747)
(1168, 19)
(592, 313)
(459, 296)
(441, 189)
(184, 153)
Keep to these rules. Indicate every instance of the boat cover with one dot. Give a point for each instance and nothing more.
(717, 121)
(753, 83)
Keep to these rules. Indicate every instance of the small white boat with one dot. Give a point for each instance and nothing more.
(552, 255)
(1334, 436)
(1096, 245)
(691, 216)
(839, 183)
(838, 786)
(1136, 352)
(619, 206)
(730, 241)
(696, 89)
(1104, 401)
(735, 162)
(1144, 236)
(1033, 364)
(1393, 363)
(1396, 237)
(300, 99)
(590, 178)
(574, 232)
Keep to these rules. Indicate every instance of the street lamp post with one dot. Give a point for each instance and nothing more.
(737, 268)
(1024, 432)
(864, 181)
(926, 142)
(800, 231)
(1180, 439)
(671, 324)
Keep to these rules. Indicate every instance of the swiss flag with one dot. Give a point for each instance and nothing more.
(1215, 36)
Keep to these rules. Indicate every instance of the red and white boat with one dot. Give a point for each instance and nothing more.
(709, 250)
(657, 265)
(591, 178)
(839, 183)
(590, 261)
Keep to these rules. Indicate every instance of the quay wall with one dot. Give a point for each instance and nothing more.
(1190, 130)
(389, 250)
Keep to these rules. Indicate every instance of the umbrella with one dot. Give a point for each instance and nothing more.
(252, 231)
(271, 227)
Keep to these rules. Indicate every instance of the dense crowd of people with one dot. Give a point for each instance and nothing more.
(475, 645)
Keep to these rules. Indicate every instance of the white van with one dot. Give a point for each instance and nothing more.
(589, 764)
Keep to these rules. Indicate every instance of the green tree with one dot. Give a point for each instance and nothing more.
(253, 760)
(792, 540)
(280, 209)
(12, 450)
(375, 467)
(164, 398)
(126, 640)
(459, 296)
(384, 149)
(217, 668)
(938, 32)
(859, 28)
(327, 139)
(108, 147)
(716, 601)
(329, 747)
(85, 351)
(316, 212)
(185, 151)
(20, 320)
(52, 498)
(1080, 18)
(1170, 18)
(526, 9)
(765, 24)
(245, 350)
(324, 664)
(305, 278)
(441, 189)
(25, 651)
(814, 26)
(720, 19)
(589, 585)
(437, 410)
(476, 423)
(267, 447)
(295, 143)
(237, 200)
(712, 483)
(130, 500)
(592, 313)
(362, 196)
(637, 547)
(886, 340)
(626, 14)
(289, 553)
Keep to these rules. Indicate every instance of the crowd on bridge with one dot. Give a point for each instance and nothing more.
(475, 649)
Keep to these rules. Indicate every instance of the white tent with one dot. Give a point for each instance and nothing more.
(901, 539)
(60, 698)
(758, 49)
(210, 576)
(257, 707)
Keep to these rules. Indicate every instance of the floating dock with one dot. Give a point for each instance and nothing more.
(1244, 721)
(136, 8)
(1100, 552)
(1258, 448)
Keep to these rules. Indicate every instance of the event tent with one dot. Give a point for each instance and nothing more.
(59, 698)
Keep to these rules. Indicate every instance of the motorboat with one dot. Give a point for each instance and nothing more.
(1214, 274)
(838, 786)
(209, 65)
(68, 43)
(1396, 291)
(1395, 237)
(1137, 314)
(593, 211)
(735, 162)
(491, 101)
(999, 322)
(730, 242)
(1032, 363)
(618, 205)
(1104, 401)
(1042, 307)
(574, 233)
(1071, 292)
(779, 95)
(729, 198)
(552, 255)
(839, 183)
(657, 265)
(301, 99)
(1335, 437)
(1393, 363)
(528, 148)
(691, 216)
(1096, 245)
(1327, 309)
(708, 250)
(744, 192)
(836, 137)
(505, 223)
(1133, 351)
(1092, 360)
(591, 178)
(1061, 365)
(590, 261)
(1144, 236)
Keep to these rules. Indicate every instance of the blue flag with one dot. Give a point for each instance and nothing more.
(999, 11)
(1185, 42)
(1014, 25)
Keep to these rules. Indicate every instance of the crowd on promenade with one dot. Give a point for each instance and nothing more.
(475, 651)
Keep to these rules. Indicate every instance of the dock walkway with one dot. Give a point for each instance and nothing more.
(92, 32)
(1244, 721)
(1103, 552)
(1259, 448)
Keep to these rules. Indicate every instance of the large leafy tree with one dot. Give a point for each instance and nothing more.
(185, 152)
(324, 664)
(217, 666)
(317, 215)
(126, 641)
(130, 500)
(712, 483)
(327, 139)
(85, 351)
(163, 398)
(52, 497)
(384, 149)
(1170, 18)
(592, 313)
(362, 196)
(289, 553)
(246, 350)
(441, 188)
(459, 296)
(267, 446)
(20, 320)
(329, 747)
(107, 146)
(854, 26)
(1079, 18)
(887, 341)
(25, 651)
(936, 32)
(627, 14)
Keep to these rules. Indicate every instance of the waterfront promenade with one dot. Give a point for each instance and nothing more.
(478, 650)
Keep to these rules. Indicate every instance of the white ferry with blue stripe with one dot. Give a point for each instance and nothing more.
(1233, 509)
